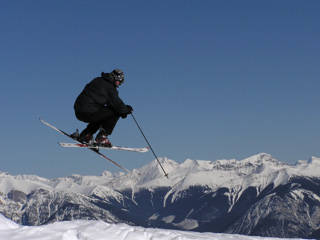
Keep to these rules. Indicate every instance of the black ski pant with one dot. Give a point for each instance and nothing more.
(104, 118)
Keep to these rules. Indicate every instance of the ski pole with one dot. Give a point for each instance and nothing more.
(165, 173)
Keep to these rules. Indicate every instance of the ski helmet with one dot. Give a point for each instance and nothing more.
(118, 75)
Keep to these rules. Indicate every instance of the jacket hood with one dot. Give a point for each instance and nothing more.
(108, 76)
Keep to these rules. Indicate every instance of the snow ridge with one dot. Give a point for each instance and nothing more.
(98, 230)
(257, 171)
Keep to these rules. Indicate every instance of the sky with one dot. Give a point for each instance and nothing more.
(207, 79)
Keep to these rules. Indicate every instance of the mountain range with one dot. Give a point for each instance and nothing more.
(259, 196)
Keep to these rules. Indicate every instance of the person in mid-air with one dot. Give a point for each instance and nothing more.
(100, 106)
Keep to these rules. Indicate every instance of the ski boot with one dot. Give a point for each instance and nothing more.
(87, 139)
(102, 139)
(75, 135)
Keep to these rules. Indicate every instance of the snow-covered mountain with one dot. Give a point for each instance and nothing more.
(258, 195)
(98, 230)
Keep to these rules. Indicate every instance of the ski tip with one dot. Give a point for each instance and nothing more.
(44, 122)
(41, 120)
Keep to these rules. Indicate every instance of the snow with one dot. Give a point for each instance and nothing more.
(23, 183)
(187, 224)
(168, 219)
(257, 171)
(98, 230)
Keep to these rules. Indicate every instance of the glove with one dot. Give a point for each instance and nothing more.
(130, 109)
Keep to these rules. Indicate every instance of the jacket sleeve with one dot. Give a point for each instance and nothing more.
(117, 104)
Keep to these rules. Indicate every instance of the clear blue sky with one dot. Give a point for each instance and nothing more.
(207, 79)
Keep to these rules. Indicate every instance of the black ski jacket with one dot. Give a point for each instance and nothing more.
(100, 92)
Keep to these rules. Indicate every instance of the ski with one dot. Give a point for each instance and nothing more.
(92, 149)
(95, 146)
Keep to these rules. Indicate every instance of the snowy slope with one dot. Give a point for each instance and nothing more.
(98, 230)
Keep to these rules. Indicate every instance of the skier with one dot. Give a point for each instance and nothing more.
(100, 106)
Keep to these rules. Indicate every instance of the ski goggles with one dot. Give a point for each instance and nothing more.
(119, 75)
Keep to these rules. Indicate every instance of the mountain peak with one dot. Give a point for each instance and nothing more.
(261, 158)
(315, 160)
(251, 171)
(107, 174)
